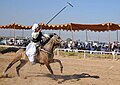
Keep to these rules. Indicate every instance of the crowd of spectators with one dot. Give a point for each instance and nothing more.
(14, 41)
(91, 45)
(68, 43)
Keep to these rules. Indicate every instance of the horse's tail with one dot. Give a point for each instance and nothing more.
(16, 59)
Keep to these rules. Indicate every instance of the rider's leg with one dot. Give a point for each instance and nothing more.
(31, 58)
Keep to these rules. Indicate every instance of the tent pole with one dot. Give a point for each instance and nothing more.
(72, 39)
(22, 33)
(10, 32)
(14, 33)
(109, 37)
(59, 33)
(98, 37)
(86, 36)
(72, 34)
(117, 36)
(109, 40)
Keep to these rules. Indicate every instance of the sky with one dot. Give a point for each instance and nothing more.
(28, 12)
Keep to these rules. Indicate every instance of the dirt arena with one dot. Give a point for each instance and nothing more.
(90, 71)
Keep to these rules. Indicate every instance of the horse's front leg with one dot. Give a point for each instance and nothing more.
(49, 68)
(51, 71)
(57, 60)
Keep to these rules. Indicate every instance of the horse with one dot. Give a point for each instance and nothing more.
(43, 56)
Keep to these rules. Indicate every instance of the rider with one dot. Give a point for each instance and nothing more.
(36, 41)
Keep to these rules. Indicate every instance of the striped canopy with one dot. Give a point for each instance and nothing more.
(68, 27)
(15, 26)
(78, 27)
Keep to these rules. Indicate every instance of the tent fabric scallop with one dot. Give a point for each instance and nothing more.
(55, 27)
(77, 27)
(68, 27)
(15, 26)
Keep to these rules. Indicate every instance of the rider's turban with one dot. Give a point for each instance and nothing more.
(34, 27)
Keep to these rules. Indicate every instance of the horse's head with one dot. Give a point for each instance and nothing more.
(57, 40)
(53, 43)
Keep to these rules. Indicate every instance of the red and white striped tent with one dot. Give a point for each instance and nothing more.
(68, 27)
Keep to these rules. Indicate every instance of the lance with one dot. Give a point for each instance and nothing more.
(68, 4)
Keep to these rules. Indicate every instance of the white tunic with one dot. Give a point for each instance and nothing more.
(31, 48)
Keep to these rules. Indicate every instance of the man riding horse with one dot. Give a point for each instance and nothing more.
(46, 55)
(36, 41)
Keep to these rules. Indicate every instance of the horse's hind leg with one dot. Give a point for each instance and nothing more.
(11, 64)
(56, 60)
(22, 63)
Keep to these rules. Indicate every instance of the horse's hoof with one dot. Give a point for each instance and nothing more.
(3, 75)
(61, 69)
(6, 75)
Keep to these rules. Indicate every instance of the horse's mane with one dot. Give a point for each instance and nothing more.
(46, 41)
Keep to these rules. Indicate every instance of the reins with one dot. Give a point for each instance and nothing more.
(46, 51)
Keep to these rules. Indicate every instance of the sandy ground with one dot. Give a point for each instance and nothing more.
(90, 71)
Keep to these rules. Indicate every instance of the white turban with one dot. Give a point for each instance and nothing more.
(34, 27)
